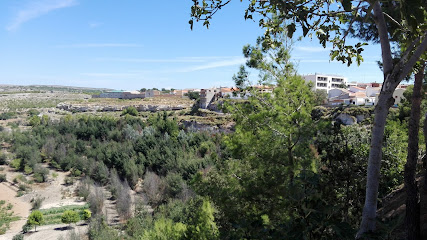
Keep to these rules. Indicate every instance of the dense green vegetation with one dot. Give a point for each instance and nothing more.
(93, 145)
(6, 216)
(231, 186)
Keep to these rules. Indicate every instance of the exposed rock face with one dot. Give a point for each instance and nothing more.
(360, 118)
(196, 126)
(346, 119)
(116, 108)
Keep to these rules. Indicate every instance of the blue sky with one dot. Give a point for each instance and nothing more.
(134, 44)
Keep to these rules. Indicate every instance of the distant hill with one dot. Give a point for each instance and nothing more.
(8, 88)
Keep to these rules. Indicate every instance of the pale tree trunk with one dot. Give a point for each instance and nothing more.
(385, 101)
(412, 217)
(393, 74)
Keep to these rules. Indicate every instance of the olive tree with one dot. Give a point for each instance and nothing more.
(35, 218)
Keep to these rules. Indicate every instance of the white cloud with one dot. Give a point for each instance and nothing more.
(98, 45)
(215, 64)
(109, 74)
(147, 60)
(36, 9)
(169, 60)
(205, 62)
(95, 24)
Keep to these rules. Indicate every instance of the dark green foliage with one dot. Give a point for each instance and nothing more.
(320, 97)
(40, 173)
(3, 158)
(7, 115)
(131, 111)
(33, 112)
(201, 222)
(26, 228)
(18, 237)
(93, 145)
(2, 178)
(193, 95)
(174, 184)
(98, 230)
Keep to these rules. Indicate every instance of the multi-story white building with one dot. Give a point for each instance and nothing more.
(325, 81)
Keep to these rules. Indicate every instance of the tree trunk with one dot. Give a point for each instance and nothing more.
(412, 217)
(385, 101)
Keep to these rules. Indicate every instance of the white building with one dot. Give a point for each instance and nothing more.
(122, 94)
(325, 81)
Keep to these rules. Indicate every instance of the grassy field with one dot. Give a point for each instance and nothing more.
(53, 215)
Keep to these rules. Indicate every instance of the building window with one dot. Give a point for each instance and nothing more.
(337, 80)
(322, 79)
(321, 84)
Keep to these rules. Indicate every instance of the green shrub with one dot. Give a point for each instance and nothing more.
(34, 121)
(20, 193)
(33, 112)
(76, 172)
(19, 179)
(69, 180)
(7, 115)
(35, 218)
(85, 214)
(26, 228)
(15, 163)
(18, 237)
(69, 217)
(3, 159)
(40, 174)
(130, 111)
(2, 178)
(13, 125)
(36, 202)
(174, 184)
(28, 169)
(23, 187)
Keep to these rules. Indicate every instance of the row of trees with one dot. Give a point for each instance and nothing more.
(36, 218)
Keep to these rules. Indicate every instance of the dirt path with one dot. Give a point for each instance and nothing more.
(51, 232)
(20, 208)
(110, 210)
